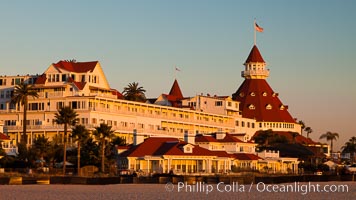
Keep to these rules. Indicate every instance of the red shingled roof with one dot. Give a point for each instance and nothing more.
(41, 79)
(78, 67)
(4, 137)
(254, 56)
(230, 138)
(175, 91)
(158, 146)
(205, 138)
(258, 87)
(245, 156)
(117, 93)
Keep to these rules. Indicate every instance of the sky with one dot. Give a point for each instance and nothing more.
(308, 47)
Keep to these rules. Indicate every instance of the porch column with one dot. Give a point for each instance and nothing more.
(148, 166)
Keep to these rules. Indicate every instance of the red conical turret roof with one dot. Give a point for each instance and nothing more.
(254, 56)
(175, 90)
(258, 101)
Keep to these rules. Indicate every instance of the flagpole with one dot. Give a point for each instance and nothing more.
(254, 30)
(175, 72)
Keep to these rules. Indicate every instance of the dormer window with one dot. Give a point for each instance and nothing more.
(268, 106)
(275, 94)
(188, 148)
(252, 94)
(264, 94)
(242, 94)
(281, 107)
(251, 107)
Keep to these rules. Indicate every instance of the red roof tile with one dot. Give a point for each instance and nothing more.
(245, 156)
(41, 79)
(79, 85)
(175, 91)
(230, 138)
(78, 67)
(117, 93)
(258, 87)
(254, 56)
(148, 147)
(4, 137)
(168, 146)
(204, 138)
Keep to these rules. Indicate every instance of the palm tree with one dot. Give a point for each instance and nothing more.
(350, 147)
(68, 117)
(20, 97)
(103, 133)
(302, 126)
(134, 93)
(308, 130)
(80, 135)
(330, 137)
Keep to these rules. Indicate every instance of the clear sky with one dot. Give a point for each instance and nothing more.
(309, 47)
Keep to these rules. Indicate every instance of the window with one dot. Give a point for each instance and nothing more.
(264, 94)
(237, 123)
(268, 106)
(218, 103)
(251, 107)
(64, 77)
(243, 124)
(242, 94)
(229, 104)
(252, 94)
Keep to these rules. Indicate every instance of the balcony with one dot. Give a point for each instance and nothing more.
(264, 73)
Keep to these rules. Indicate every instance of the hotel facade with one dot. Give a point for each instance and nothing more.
(84, 87)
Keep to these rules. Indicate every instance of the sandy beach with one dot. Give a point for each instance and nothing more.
(333, 190)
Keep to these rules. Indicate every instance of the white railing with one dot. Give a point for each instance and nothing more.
(255, 73)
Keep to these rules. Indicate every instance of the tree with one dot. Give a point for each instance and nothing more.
(329, 136)
(20, 97)
(302, 126)
(294, 136)
(350, 147)
(134, 93)
(308, 130)
(102, 134)
(68, 117)
(80, 135)
(264, 138)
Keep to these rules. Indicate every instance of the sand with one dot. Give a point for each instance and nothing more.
(162, 191)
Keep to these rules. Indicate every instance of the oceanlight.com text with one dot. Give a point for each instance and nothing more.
(296, 187)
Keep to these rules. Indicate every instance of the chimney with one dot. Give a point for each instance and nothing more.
(137, 139)
(189, 138)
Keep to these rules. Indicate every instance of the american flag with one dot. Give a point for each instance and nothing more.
(259, 29)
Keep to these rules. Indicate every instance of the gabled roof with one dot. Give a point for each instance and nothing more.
(254, 56)
(160, 146)
(79, 67)
(148, 147)
(175, 91)
(266, 104)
